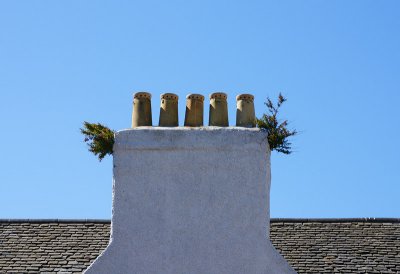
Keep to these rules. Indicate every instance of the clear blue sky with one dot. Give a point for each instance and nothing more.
(337, 62)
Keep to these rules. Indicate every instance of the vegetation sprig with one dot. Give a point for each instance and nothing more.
(99, 138)
(278, 133)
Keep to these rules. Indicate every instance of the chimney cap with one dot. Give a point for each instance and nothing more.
(219, 95)
(195, 96)
(142, 94)
(169, 96)
(245, 96)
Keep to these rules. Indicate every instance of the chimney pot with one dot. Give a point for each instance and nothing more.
(218, 115)
(169, 110)
(141, 114)
(245, 114)
(194, 110)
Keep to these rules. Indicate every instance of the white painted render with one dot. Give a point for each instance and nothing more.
(190, 200)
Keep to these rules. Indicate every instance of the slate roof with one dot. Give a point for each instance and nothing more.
(310, 245)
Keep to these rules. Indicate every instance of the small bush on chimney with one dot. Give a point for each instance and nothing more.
(278, 133)
(99, 138)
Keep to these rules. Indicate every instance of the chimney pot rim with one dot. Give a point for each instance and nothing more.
(245, 96)
(169, 96)
(195, 96)
(219, 95)
(142, 94)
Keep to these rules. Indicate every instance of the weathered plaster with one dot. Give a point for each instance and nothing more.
(190, 200)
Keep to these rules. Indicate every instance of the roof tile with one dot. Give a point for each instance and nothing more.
(309, 245)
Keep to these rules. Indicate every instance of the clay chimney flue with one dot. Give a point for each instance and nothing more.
(141, 114)
(245, 114)
(218, 115)
(169, 110)
(194, 110)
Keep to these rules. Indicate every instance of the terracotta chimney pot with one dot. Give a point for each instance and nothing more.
(245, 114)
(141, 115)
(194, 110)
(218, 115)
(169, 110)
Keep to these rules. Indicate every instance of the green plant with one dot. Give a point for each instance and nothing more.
(99, 138)
(278, 133)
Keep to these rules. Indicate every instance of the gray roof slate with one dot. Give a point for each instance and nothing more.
(310, 245)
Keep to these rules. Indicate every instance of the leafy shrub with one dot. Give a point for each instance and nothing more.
(99, 138)
(278, 133)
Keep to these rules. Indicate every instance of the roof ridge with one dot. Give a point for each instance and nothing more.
(336, 220)
(55, 221)
(273, 220)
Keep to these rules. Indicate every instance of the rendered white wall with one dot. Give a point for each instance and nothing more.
(190, 200)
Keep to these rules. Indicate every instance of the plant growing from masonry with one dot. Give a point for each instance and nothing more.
(99, 138)
(278, 133)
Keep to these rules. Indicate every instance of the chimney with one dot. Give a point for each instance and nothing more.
(194, 110)
(218, 110)
(245, 114)
(141, 115)
(168, 110)
(191, 200)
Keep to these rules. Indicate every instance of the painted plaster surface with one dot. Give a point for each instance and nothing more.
(190, 201)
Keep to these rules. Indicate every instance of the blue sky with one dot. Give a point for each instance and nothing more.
(337, 62)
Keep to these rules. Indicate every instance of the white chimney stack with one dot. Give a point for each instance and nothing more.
(190, 200)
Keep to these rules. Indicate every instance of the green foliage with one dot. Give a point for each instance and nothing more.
(99, 138)
(278, 133)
